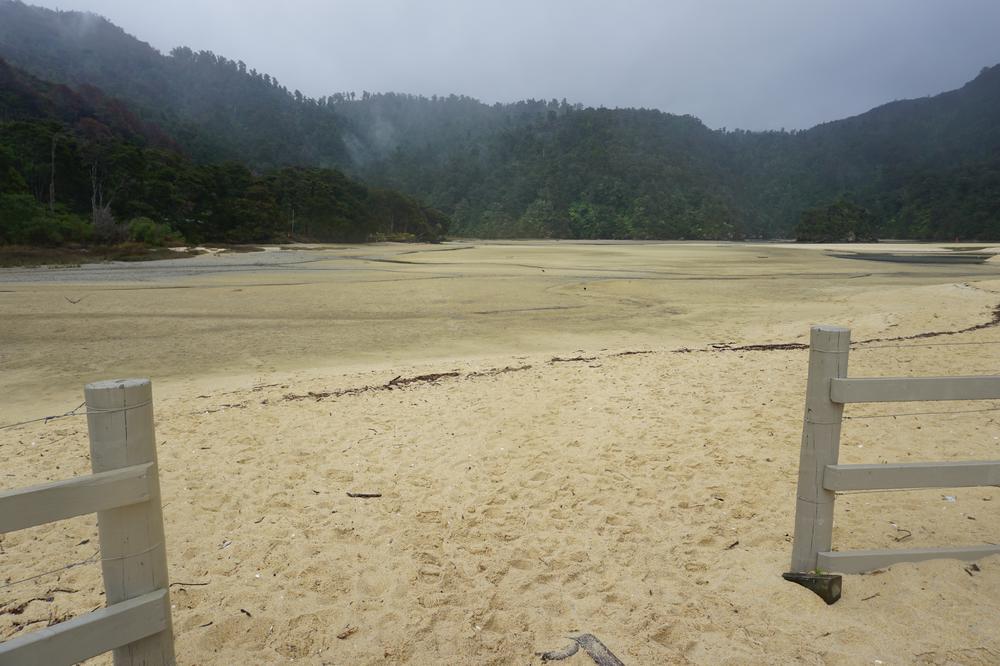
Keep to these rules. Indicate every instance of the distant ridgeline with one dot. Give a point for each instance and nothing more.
(219, 151)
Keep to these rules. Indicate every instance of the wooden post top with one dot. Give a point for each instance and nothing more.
(116, 384)
(826, 338)
(828, 328)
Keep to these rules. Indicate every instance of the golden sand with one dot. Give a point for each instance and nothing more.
(549, 483)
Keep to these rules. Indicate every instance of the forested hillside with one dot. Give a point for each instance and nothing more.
(538, 168)
(924, 168)
(215, 107)
(79, 166)
(921, 166)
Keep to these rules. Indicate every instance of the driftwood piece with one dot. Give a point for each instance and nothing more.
(559, 655)
(592, 645)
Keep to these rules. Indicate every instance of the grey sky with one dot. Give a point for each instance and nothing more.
(762, 64)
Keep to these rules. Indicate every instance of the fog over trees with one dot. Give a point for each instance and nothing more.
(93, 119)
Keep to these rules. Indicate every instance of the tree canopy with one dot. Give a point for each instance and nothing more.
(79, 166)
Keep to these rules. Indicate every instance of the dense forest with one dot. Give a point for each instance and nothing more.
(213, 149)
(78, 166)
(924, 169)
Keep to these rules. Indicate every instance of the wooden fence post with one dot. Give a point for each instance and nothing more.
(133, 552)
(828, 350)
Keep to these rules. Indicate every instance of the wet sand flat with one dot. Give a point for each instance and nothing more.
(550, 480)
(375, 306)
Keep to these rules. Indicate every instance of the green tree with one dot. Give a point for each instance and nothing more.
(841, 221)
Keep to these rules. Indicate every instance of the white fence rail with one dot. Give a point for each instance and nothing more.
(821, 477)
(124, 491)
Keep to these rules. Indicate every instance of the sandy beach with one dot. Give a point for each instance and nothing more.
(566, 438)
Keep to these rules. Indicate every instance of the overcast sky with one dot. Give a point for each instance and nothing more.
(755, 64)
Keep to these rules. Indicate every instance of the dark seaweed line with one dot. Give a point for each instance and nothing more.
(793, 346)
(432, 378)
(400, 382)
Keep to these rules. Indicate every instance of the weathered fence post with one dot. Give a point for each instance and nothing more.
(133, 552)
(828, 350)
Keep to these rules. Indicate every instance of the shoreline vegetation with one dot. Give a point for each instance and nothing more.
(75, 254)
(23, 256)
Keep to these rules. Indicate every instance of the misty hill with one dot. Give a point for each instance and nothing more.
(928, 168)
(215, 107)
(551, 169)
(925, 168)
(80, 166)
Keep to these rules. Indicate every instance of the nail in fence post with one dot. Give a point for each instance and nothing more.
(133, 552)
(828, 351)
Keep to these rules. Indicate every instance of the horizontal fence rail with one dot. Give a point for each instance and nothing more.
(863, 561)
(962, 474)
(91, 634)
(828, 389)
(49, 502)
(914, 389)
(124, 492)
